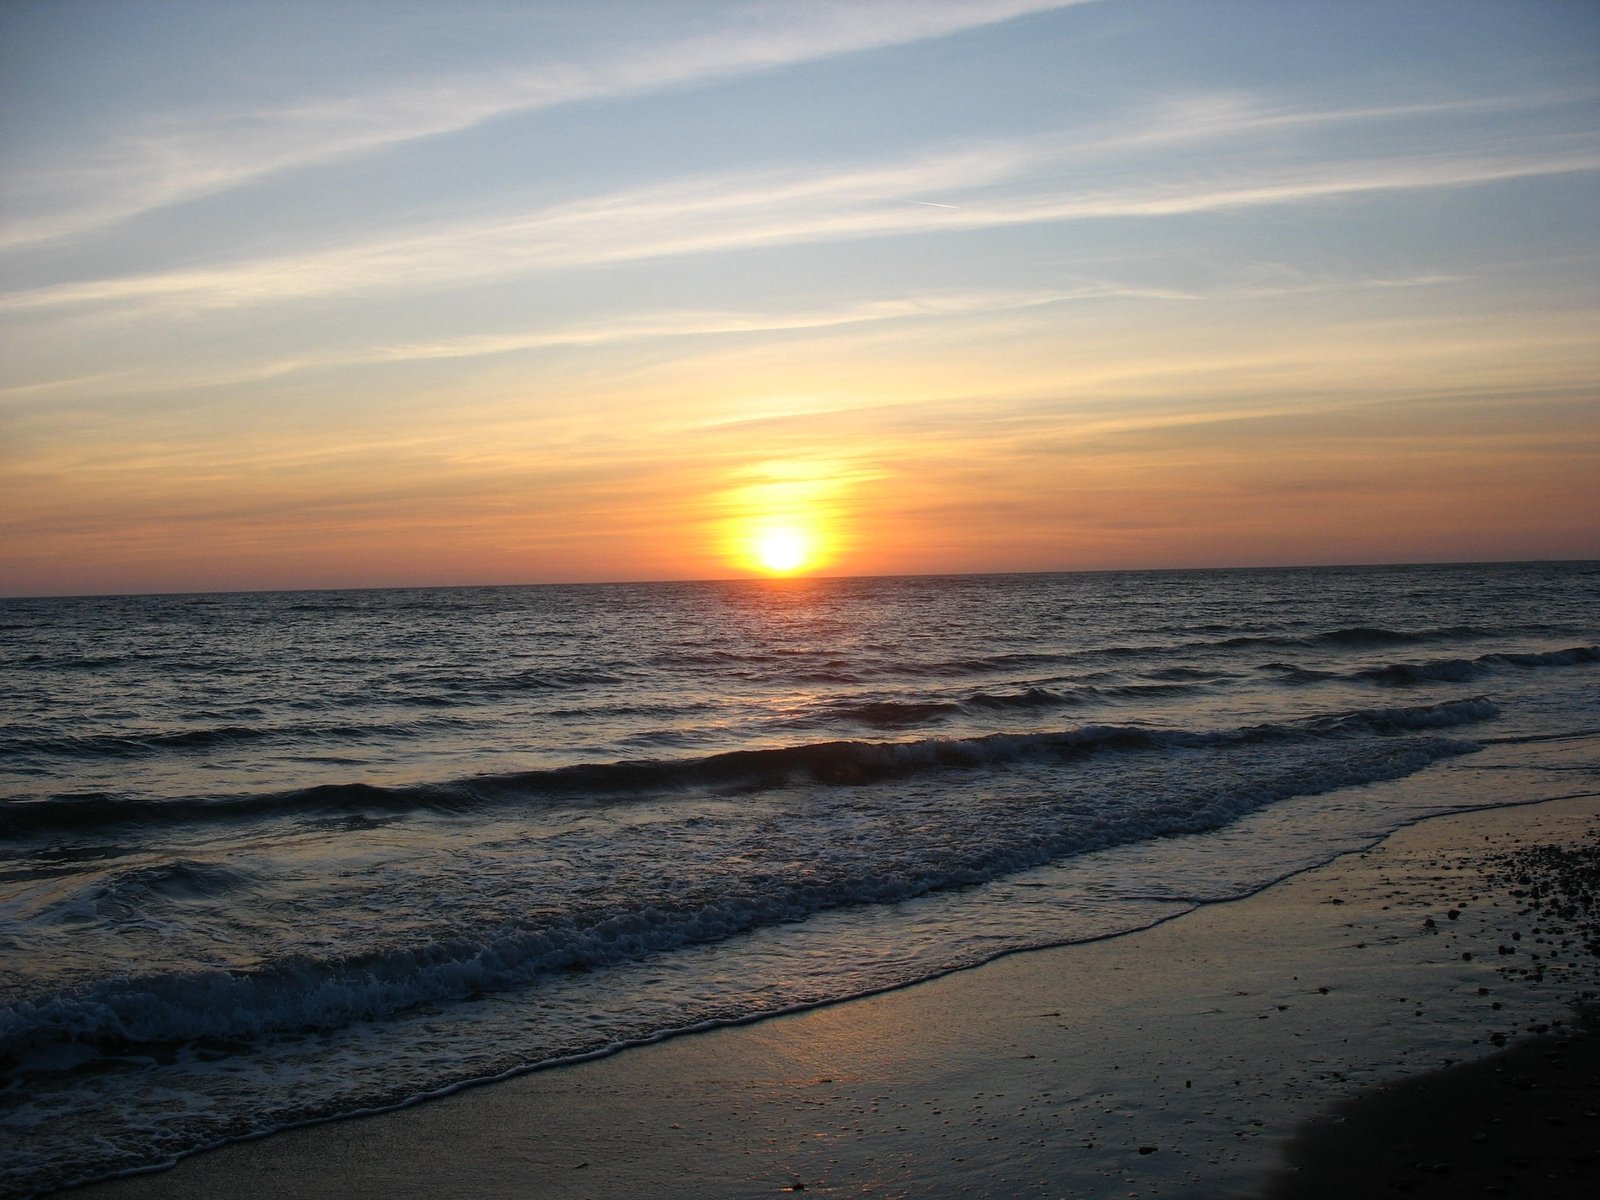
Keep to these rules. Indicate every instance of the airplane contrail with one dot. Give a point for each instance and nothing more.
(932, 204)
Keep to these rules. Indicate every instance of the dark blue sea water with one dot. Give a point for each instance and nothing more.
(277, 857)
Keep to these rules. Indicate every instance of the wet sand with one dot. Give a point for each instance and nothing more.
(1209, 1056)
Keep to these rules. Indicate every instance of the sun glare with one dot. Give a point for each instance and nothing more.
(782, 517)
(783, 550)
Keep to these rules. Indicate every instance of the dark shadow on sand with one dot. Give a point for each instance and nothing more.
(1524, 1123)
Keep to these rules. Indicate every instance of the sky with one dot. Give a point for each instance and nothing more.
(414, 293)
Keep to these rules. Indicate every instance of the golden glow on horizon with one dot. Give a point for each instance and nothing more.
(786, 516)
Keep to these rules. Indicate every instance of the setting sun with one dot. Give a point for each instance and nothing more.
(786, 516)
(783, 550)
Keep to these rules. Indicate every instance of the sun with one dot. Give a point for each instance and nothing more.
(781, 519)
(783, 549)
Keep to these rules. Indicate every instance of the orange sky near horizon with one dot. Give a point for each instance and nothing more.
(988, 285)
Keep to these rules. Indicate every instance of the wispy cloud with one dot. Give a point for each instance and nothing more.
(623, 328)
(730, 338)
(618, 328)
(162, 160)
(1003, 183)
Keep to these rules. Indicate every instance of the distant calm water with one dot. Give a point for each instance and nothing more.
(274, 857)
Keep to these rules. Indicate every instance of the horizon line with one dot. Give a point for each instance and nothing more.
(780, 581)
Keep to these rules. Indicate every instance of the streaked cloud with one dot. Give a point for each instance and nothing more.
(998, 184)
(171, 158)
(624, 328)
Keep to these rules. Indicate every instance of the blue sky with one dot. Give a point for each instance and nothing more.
(323, 295)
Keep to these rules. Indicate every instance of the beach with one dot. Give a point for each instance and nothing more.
(1205, 1056)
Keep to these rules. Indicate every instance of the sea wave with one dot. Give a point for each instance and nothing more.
(890, 713)
(1353, 637)
(179, 879)
(138, 742)
(438, 689)
(1438, 670)
(304, 991)
(1462, 670)
(831, 763)
(1033, 697)
(802, 665)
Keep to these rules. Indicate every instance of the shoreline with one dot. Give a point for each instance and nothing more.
(1181, 1059)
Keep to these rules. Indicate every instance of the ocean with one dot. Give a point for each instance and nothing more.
(271, 858)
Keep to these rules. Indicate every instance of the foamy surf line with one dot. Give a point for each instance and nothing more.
(281, 995)
(1438, 789)
(1061, 1048)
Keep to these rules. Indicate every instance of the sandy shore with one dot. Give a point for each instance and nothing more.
(1203, 1057)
